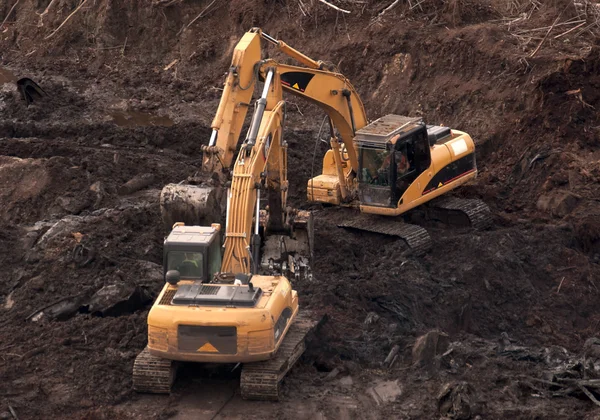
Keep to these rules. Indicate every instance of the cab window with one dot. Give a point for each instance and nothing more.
(189, 264)
(214, 258)
(421, 152)
(375, 166)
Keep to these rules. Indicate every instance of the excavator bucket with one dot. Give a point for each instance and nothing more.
(190, 204)
(290, 254)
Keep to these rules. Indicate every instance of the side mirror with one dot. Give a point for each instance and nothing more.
(172, 277)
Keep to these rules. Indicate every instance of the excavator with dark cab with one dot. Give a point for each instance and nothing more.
(228, 296)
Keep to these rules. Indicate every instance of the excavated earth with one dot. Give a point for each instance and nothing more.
(484, 325)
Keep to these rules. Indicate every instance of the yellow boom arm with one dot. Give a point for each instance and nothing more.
(262, 161)
(330, 90)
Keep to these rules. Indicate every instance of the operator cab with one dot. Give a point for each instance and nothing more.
(193, 251)
(392, 152)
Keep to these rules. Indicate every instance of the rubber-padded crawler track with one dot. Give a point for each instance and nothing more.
(153, 374)
(415, 236)
(261, 380)
(476, 211)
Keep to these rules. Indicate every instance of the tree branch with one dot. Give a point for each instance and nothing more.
(68, 17)
(335, 7)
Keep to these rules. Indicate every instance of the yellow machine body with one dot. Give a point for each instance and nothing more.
(450, 163)
(258, 331)
(422, 189)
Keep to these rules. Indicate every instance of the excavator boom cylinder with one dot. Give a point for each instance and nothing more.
(292, 52)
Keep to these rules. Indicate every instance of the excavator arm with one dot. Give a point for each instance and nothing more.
(333, 93)
(329, 90)
(262, 160)
(235, 100)
(261, 163)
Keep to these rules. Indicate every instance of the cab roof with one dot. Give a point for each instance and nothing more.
(191, 235)
(382, 130)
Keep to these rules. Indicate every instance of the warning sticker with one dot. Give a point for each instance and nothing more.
(208, 348)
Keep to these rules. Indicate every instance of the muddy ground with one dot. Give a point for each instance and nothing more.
(509, 312)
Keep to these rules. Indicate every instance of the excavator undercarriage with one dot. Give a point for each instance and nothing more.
(452, 211)
(259, 380)
(153, 374)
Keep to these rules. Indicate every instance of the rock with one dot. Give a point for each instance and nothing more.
(61, 228)
(591, 347)
(346, 381)
(61, 310)
(385, 392)
(454, 401)
(332, 375)
(22, 180)
(86, 403)
(351, 367)
(428, 346)
(100, 190)
(36, 283)
(136, 183)
(371, 318)
(117, 299)
(112, 300)
(150, 274)
(9, 301)
(558, 203)
(591, 356)
(391, 357)
(190, 204)
(71, 205)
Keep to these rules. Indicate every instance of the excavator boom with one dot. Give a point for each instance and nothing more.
(249, 177)
(235, 101)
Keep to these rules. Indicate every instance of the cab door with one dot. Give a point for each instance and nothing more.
(376, 176)
(411, 158)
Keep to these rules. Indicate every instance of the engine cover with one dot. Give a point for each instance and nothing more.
(201, 294)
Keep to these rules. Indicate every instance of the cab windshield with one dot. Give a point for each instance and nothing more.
(189, 264)
(375, 166)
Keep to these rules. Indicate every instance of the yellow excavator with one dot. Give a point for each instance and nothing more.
(385, 168)
(215, 306)
(237, 305)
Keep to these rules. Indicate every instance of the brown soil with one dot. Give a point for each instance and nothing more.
(113, 112)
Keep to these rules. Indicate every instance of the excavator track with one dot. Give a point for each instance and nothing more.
(153, 374)
(454, 210)
(261, 380)
(415, 236)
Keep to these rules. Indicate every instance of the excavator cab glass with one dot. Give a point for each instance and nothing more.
(375, 176)
(189, 264)
(194, 251)
(412, 157)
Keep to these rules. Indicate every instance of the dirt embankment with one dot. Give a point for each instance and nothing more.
(131, 91)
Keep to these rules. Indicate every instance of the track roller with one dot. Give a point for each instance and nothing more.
(153, 374)
(262, 380)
